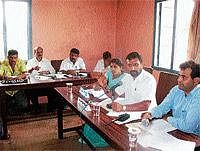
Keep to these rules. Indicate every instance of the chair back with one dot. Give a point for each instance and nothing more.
(56, 64)
(165, 83)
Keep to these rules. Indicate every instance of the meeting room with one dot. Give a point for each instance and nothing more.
(100, 75)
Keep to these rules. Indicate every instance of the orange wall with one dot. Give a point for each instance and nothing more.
(135, 28)
(89, 25)
(93, 26)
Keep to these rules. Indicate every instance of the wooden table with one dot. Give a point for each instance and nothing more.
(34, 84)
(116, 135)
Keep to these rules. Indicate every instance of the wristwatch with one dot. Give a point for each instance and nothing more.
(124, 107)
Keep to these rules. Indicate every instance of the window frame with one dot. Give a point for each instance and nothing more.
(29, 27)
(154, 36)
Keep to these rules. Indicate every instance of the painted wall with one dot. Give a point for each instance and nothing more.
(59, 25)
(134, 32)
(93, 26)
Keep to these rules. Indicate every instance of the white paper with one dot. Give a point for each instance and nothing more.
(100, 94)
(133, 116)
(160, 125)
(82, 105)
(84, 92)
(42, 77)
(164, 142)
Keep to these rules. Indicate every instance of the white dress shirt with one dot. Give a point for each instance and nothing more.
(68, 65)
(44, 64)
(100, 66)
(139, 89)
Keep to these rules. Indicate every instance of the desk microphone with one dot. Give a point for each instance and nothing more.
(121, 118)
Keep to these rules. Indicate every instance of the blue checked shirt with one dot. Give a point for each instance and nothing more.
(185, 109)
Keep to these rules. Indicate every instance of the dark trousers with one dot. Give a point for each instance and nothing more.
(17, 103)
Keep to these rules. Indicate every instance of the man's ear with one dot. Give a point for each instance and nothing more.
(197, 80)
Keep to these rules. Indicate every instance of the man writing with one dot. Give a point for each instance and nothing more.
(104, 63)
(38, 64)
(139, 87)
(11, 69)
(183, 100)
(72, 64)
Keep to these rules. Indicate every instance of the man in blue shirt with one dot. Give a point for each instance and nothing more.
(183, 100)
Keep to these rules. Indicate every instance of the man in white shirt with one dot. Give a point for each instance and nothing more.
(38, 64)
(73, 63)
(104, 63)
(139, 87)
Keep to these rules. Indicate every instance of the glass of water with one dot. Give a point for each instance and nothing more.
(96, 109)
(132, 135)
(69, 88)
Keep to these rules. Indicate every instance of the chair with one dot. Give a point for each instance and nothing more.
(165, 83)
(56, 64)
(148, 69)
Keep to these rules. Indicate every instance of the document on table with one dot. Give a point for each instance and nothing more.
(156, 136)
(133, 116)
(165, 142)
(100, 94)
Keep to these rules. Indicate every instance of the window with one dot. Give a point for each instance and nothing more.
(172, 22)
(15, 29)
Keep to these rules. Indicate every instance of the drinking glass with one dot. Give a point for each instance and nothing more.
(132, 135)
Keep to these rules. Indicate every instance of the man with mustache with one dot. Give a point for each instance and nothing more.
(38, 64)
(183, 100)
(139, 87)
(42, 66)
(73, 63)
(14, 68)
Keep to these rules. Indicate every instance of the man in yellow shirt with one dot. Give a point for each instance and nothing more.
(11, 69)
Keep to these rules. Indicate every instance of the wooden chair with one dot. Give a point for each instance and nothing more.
(148, 69)
(56, 64)
(165, 83)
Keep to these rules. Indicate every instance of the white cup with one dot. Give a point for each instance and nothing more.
(96, 109)
(132, 135)
(69, 88)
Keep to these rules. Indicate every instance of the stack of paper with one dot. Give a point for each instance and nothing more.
(156, 136)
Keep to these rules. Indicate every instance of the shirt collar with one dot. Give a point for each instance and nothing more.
(194, 90)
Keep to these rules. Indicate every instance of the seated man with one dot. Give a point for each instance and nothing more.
(183, 100)
(11, 69)
(73, 63)
(40, 65)
(139, 87)
(103, 64)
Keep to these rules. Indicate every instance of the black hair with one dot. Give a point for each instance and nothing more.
(75, 50)
(134, 55)
(12, 52)
(117, 61)
(106, 55)
(192, 65)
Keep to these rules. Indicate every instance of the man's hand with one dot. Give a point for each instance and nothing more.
(146, 115)
(117, 107)
(102, 81)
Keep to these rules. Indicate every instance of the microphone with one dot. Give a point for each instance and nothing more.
(121, 118)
